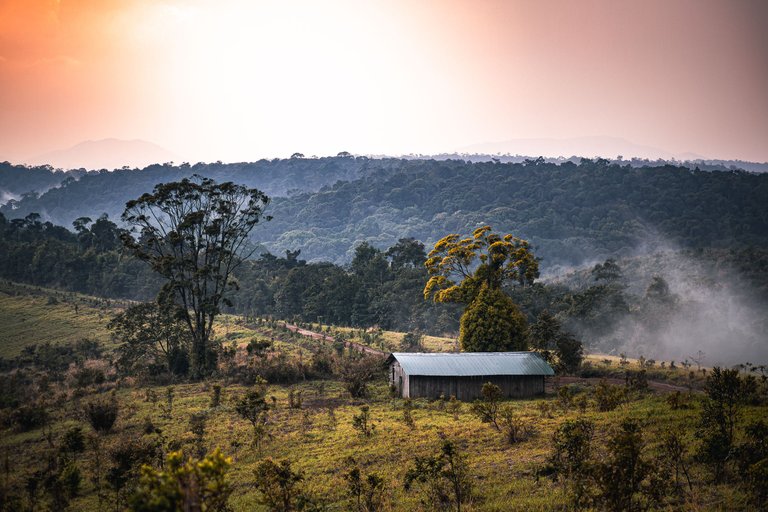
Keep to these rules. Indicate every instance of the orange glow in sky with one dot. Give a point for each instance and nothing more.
(241, 79)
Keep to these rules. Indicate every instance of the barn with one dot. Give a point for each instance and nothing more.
(518, 374)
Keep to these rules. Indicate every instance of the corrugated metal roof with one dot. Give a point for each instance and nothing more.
(468, 364)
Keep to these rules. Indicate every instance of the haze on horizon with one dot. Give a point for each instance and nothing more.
(237, 80)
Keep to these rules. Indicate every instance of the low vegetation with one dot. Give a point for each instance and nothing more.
(151, 440)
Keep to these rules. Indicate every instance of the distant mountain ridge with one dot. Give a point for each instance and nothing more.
(105, 154)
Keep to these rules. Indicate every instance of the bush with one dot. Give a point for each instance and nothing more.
(358, 371)
(127, 457)
(254, 408)
(677, 401)
(366, 491)
(182, 486)
(408, 413)
(29, 417)
(608, 397)
(89, 376)
(719, 417)
(444, 478)
(362, 422)
(454, 407)
(279, 486)
(70, 479)
(487, 408)
(73, 441)
(102, 414)
(515, 428)
(571, 458)
(215, 396)
(620, 476)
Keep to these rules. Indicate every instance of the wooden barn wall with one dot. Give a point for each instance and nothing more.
(398, 378)
(469, 388)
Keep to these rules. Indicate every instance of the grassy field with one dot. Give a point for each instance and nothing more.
(319, 437)
(30, 315)
(503, 475)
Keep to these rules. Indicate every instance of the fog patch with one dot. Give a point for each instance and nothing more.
(6, 196)
(704, 305)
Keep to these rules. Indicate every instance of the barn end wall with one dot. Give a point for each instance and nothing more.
(399, 379)
(469, 388)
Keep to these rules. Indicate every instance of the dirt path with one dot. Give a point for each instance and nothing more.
(659, 387)
(349, 344)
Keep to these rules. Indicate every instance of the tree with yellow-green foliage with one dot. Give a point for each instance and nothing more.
(492, 323)
(472, 271)
(183, 485)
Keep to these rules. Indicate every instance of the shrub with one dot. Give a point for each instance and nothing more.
(362, 422)
(677, 401)
(620, 475)
(89, 376)
(184, 485)
(197, 425)
(570, 459)
(71, 479)
(29, 417)
(279, 485)
(127, 457)
(73, 441)
(258, 347)
(102, 414)
(719, 416)
(637, 381)
(752, 457)
(358, 371)
(408, 413)
(412, 342)
(444, 478)
(515, 428)
(366, 491)
(454, 407)
(254, 408)
(167, 407)
(487, 408)
(215, 396)
(608, 397)
(294, 399)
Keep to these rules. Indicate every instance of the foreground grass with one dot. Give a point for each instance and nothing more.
(504, 475)
(319, 438)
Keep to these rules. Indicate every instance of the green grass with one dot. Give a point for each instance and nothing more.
(31, 315)
(503, 474)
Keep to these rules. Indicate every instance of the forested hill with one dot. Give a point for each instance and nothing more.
(79, 193)
(573, 213)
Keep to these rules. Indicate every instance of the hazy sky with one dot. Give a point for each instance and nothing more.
(243, 79)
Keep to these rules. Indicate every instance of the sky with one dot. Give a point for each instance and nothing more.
(238, 80)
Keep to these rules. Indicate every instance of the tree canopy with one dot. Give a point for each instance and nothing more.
(472, 271)
(193, 233)
(458, 267)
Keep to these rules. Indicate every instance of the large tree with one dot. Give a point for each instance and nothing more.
(194, 232)
(472, 271)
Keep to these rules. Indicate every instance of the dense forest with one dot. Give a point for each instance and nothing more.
(571, 212)
(670, 303)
